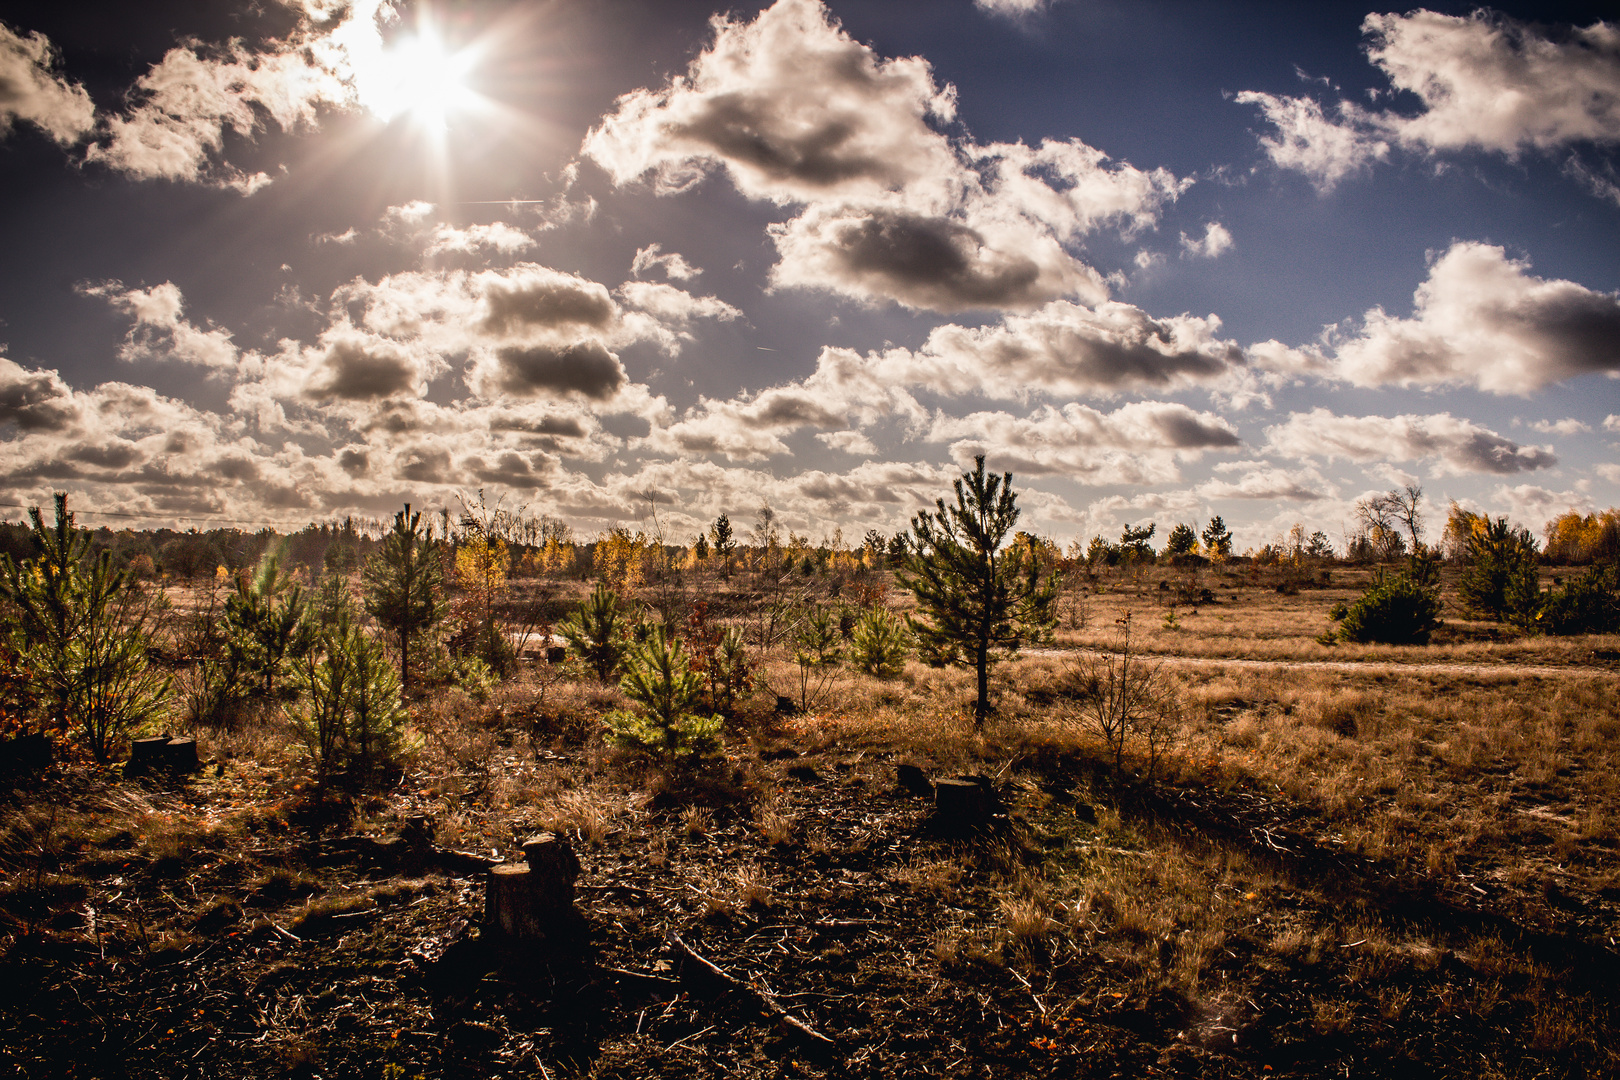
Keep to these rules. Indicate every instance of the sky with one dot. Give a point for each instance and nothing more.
(641, 262)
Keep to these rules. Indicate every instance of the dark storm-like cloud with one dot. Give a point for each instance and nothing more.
(586, 368)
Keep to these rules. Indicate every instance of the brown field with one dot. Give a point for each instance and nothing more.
(1351, 861)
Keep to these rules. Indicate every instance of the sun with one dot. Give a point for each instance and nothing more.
(417, 77)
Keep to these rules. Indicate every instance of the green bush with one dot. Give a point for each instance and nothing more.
(1399, 609)
(880, 644)
(1590, 604)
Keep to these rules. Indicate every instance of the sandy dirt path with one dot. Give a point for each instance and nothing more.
(1371, 667)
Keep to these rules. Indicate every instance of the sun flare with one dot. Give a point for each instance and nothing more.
(417, 77)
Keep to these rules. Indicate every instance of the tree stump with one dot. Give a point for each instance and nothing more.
(161, 753)
(180, 755)
(963, 806)
(914, 780)
(146, 755)
(532, 900)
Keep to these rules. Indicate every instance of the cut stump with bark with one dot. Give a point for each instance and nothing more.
(533, 901)
(162, 753)
(963, 805)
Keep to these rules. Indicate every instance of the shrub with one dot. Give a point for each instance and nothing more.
(1398, 609)
(1589, 604)
(596, 631)
(659, 679)
(880, 644)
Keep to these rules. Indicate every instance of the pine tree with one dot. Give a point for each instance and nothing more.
(978, 599)
(1217, 539)
(596, 632)
(724, 542)
(80, 634)
(404, 584)
(266, 623)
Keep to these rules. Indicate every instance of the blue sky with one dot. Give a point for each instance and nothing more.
(294, 258)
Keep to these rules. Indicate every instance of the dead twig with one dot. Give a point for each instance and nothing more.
(765, 1000)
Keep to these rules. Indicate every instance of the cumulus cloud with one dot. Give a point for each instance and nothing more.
(922, 261)
(1267, 482)
(672, 264)
(1493, 82)
(1485, 81)
(497, 236)
(1138, 443)
(32, 92)
(1567, 426)
(1216, 241)
(353, 366)
(185, 103)
(159, 332)
(1308, 141)
(1528, 502)
(849, 442)
(791, 107)
(796, 112)
(1481, 319)
(1611, 422)
(1067, 348)
(1457, 446)
(585, 368)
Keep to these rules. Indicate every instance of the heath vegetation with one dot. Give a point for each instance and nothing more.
(1319, 808)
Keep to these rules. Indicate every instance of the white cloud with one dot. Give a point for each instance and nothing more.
(159, 332)
(1308, 141)
(1139, 443)
(1611, 422)
(1012, 8)
(496, 236)
(346, 238)
(412, 213)
(1216, 241)
(1457, 446)
(671, 264)
(1485, 81)
(1527, 502)
(30, 91)
(1567, 426)
(1267, 482)
(1482, 320)
(1609, 471)
(1493, 82)
(798, 113)
(850, 442)
(792, 108)
(187, 100)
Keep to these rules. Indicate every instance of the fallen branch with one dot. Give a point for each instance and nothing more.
(766, 1001)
